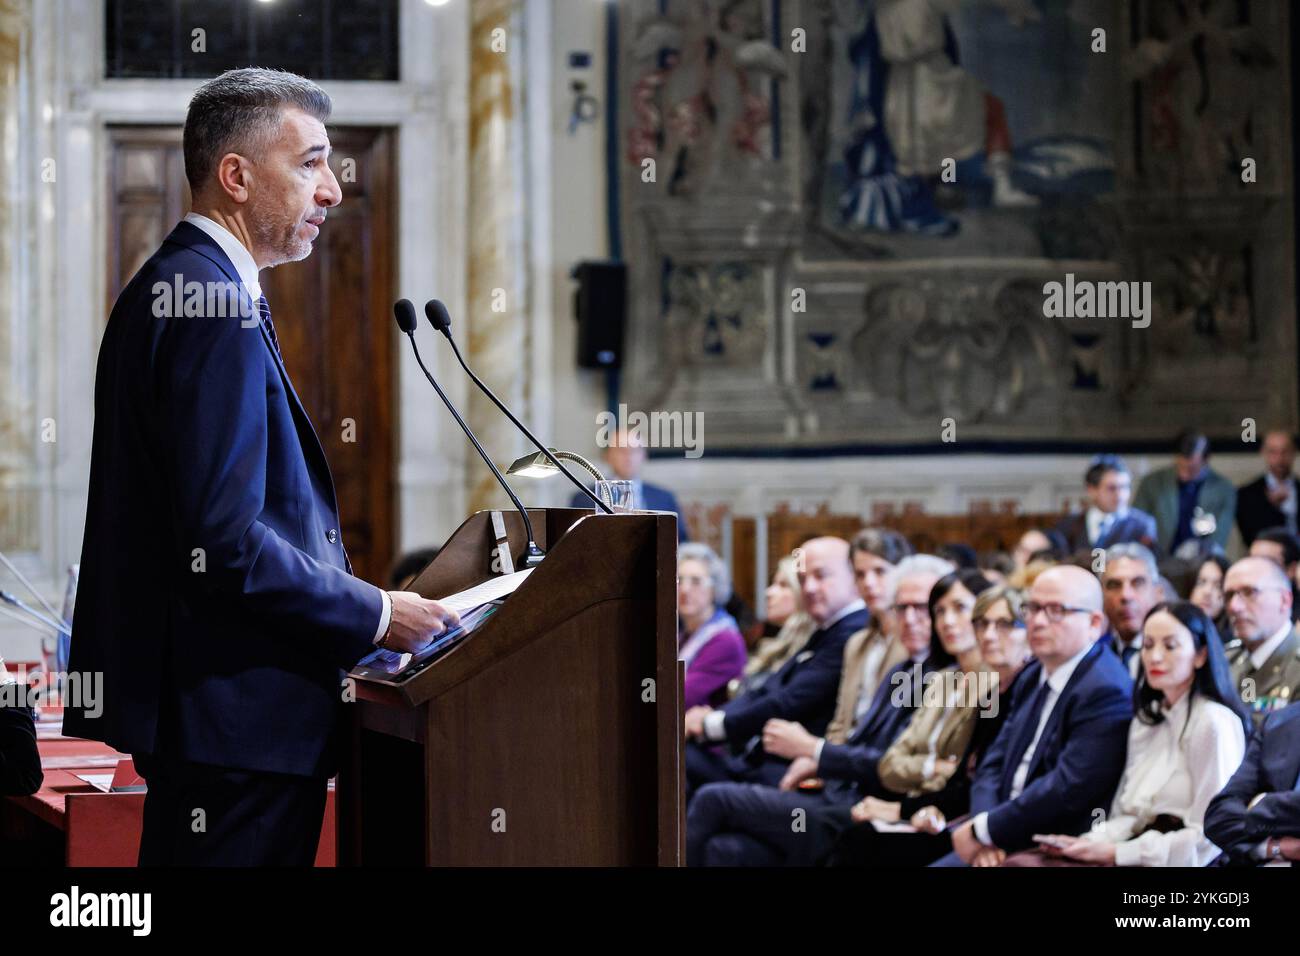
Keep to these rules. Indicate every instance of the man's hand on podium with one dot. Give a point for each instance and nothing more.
(416, 621)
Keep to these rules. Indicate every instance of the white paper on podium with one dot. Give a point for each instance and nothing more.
(490, 590)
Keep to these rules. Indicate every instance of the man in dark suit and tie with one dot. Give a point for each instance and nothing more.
(1058, 758)
(750, 824)
(626, 456)
(1109, 519)
(1272, 499)
(1256, 817)
(216, 597)
(803, 690)
(1130, 583)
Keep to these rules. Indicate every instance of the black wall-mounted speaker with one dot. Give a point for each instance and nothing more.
(600, 306)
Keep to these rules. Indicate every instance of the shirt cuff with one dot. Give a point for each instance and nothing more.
(980, 827)
(1260, 852)
(713, 725)
(817, 751)
(385, 616)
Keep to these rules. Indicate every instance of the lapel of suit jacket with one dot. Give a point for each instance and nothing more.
(1054, 719)
(203, 244)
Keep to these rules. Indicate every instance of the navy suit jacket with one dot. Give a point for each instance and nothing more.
(1077, 763)
(804, 689)
(857, 758)
(1255, 512)
(656, 499)
(1271, 766)
(233, 654)
(1136, 525)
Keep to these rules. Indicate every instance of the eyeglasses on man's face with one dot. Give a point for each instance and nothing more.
(920, 609)
(1055, 612)
(1248, 594)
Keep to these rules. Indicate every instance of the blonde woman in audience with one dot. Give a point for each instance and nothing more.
(1187, 739)
(926, 772)
(784, 599)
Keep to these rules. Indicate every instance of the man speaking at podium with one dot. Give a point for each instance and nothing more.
(216, 597)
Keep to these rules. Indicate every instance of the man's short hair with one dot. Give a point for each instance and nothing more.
(1289, 542)
(1100, 466)
(239, 112)
(1191, 443)
(883, 543)
(1134, 552)
(915, 565)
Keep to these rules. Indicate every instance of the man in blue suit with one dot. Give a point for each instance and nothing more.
(1256, 817)
(626, 456)
(804, 688)
(749, 824)
(1108, 519)
(216, 597)
(1058, 758)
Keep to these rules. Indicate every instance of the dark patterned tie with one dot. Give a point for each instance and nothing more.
(264, 310)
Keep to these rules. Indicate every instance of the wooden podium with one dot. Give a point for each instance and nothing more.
(549, 736)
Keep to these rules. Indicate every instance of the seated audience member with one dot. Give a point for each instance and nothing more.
(1266, 665)
(1022, 579)
(958, 555)
(1108, 520)
(1270, 500)
(748, 824)
(920, 784)
(1060, 753)
(1192, 503)
(874, 651)
(709, 642)
(996, 566)
(1185, 742)
(20, 762)
(1130, 585)
(1282, 546)
(792, 628)
(1256, 818)
(1207, 593)
(802, 690)
(1039, 545)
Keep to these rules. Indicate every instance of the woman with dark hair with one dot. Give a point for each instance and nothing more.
(1207, 590)
(1187, 738)
(926, 766)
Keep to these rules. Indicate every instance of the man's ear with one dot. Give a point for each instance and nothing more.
(232, 177)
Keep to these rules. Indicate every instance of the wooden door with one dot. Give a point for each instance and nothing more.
(332, 310)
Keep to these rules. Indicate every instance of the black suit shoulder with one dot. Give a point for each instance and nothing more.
(20, 761)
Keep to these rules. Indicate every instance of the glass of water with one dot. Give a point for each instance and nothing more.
(617, 493)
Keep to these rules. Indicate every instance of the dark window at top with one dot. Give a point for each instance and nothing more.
(320, 39)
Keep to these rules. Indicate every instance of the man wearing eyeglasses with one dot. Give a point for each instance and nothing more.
(1058, 758)
(1266, 665)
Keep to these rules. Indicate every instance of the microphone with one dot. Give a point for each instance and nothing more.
(404, 312)
(440, 319)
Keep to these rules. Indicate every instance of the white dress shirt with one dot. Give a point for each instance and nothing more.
(1093, 520)
(1055, 683)
(1174, 767)
(715, 727)
(246, 266)
(1288, 506)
